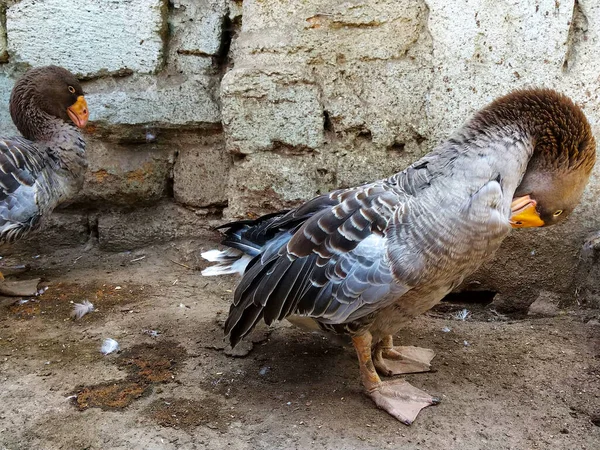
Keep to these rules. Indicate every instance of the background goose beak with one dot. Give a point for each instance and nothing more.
(78, 112)
(524, 213)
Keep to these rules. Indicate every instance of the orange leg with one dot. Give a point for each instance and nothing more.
(398, 397)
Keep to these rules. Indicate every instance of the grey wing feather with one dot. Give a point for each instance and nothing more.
(21, 165)
(332, 265)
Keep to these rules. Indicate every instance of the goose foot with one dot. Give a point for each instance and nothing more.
(390, 360)
(401, 399)
(397, 397)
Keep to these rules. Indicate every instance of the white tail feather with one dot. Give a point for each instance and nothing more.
(227, 265)
(221, 255)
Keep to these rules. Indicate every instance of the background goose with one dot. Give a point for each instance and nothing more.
(45, 167)
(366, 260)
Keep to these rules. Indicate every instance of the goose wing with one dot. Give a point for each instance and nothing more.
(327, 259)
(21, 165)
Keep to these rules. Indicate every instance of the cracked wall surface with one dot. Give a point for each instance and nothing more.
(227, 108)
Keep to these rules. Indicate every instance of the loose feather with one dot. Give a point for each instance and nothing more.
(81, 309)
(109, 346)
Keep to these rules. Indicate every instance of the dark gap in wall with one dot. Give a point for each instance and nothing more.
(327, 125)
(238, 157)
(365, 134)
(482, 297)
(577, 30)
(92, 228)
(170, 185)
(419, 138)
(229, 28)
(281, 148)
(397, 147)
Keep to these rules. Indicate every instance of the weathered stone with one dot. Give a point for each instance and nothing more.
(267, 106)
(3, 42)
(125, 176)
(235, 9)
(201, 173)
(325, 32)
(482, 50)
(370, 59)
(197, 26)
(63, 228)
(545, 305)
(586, 286)
(90, 38)
(267, 181)
(156, 100)
(118, 231)
(7, 128)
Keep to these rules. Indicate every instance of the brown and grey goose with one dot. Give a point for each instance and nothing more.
(366, 260)
(44, 167)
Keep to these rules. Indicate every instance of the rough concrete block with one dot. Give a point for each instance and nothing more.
(7, 128)
(88, 37)
(371, 59)
(197, 25)
(482, 50)
(158, 100)
(201, 173)
(267, 181)
(63, 228)
(545, 305)
(262, 107)
(586, 286)
(118, 231)
(325, 32)
(125, 176)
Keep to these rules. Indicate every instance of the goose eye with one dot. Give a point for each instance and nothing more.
(71, 89)
(558, 213)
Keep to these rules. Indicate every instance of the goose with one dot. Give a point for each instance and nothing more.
(366, 260)
(45, 166)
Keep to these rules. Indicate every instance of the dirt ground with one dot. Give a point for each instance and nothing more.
(505, 382)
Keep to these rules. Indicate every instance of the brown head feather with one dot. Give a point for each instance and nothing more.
(560, 132)
(41, 94)
(564, 149)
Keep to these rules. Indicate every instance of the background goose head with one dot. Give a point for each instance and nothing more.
(564, 153)
(43, 94)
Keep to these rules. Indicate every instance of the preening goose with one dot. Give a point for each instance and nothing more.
(366, 260)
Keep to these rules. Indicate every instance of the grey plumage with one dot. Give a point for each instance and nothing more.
(34, 179)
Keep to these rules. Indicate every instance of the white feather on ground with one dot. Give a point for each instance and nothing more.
(462, 315)
(81, 309)
(109, 345)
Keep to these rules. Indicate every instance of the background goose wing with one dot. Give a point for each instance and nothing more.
(20, 166)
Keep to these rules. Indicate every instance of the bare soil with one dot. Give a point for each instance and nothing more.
(505, 382)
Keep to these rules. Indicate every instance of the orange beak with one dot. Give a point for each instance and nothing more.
(524, 213)
(78, 112)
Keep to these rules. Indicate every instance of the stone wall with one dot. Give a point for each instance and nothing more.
(208, 108)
